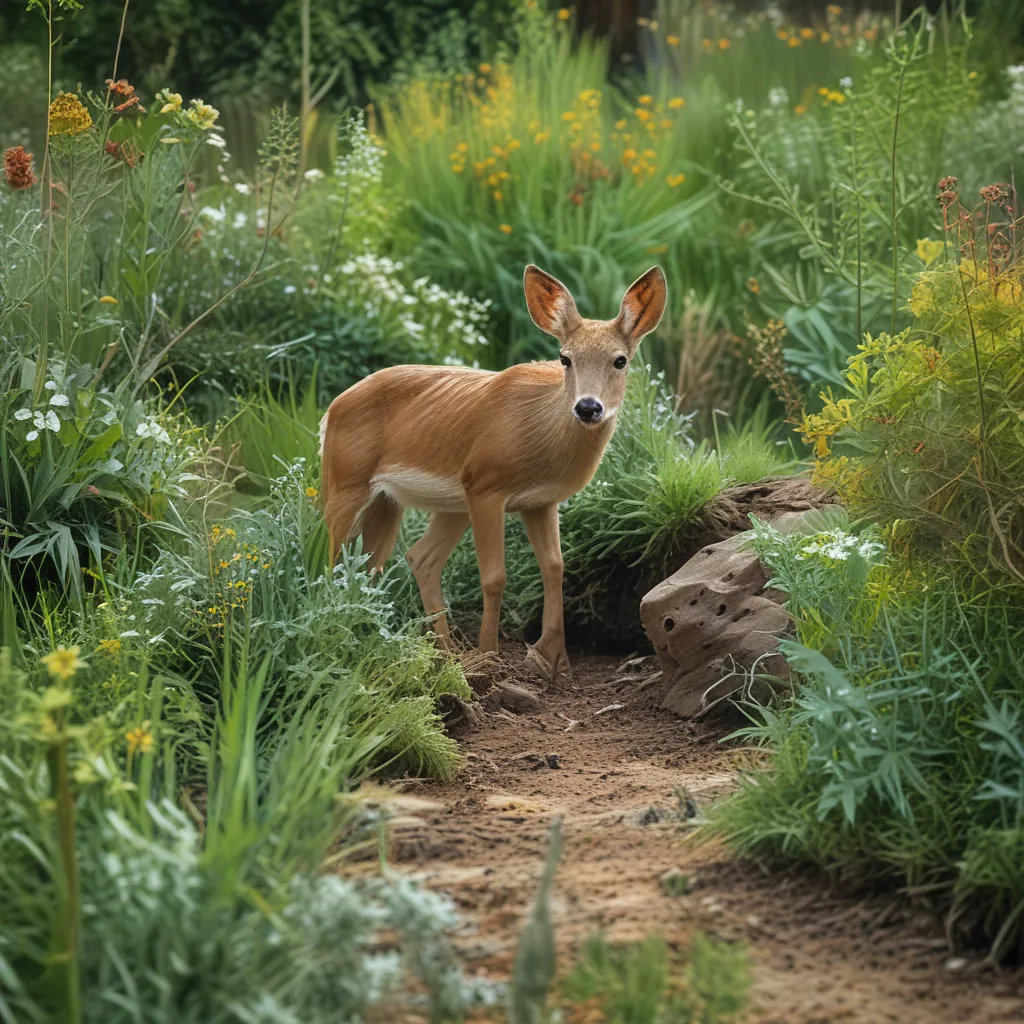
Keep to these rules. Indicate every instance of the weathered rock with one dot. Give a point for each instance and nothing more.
(714, 619)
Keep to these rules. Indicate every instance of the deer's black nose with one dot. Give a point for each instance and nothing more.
(589, 410)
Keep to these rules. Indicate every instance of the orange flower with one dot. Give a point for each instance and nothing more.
(672, 40)
(506, 228)
(18, 171)
(724, 44)
(807, 33)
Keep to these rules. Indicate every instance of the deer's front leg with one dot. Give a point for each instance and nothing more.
(548, 654)
(487, 517)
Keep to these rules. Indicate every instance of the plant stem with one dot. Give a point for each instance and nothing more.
(66, 927)
(304, 113)
(892, 185)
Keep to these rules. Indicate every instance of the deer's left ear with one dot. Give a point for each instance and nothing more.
(642, 306)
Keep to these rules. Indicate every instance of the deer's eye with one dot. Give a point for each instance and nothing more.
(620, 363)
(565, 360)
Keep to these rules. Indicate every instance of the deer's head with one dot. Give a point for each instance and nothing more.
(595, 353)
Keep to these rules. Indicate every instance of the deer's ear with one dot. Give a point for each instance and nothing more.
(549, 302)
(642, 306)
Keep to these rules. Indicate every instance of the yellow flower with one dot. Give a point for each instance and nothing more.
(620, 125)
(629, 154)
(676, 103)
(972, 75)
(807, 33)
(541, 137)
(462, 147)
(672, 40)
(645, 101)
(928, 251)
(675, 180)
(68, 116)
(782, 34)
(920, 298)
(497, 195)
(642, 115)
(109, 300)
(564, 14)
(109, 646)
(823, 91)
(311, 492)
(724, 43)
(485, 69)
(64, 662)
(139, 738)
(794, 41)
(171, 101)
(835, 10)
(202, 115)
(653, 26)
(506, 228)
(826, 37)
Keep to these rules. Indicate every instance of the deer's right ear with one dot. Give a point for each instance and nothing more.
(549, 302)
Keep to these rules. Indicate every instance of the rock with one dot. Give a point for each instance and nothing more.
(713, 619)
(956, 963)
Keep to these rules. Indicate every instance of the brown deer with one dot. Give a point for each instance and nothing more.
(471, 445)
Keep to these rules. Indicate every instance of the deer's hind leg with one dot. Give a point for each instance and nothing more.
(428, 556)
(380, 522)
(548, 654)
(341, 511)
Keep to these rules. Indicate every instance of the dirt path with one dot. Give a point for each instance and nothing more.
(621, 779)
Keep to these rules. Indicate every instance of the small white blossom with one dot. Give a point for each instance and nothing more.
(31, 435)
(23, 414)
(846, 82)
(59, 399)
(50, 385)
(241, 187)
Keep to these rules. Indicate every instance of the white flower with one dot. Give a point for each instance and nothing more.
(215, 140)
(214, 213)
(240, 186)
(59, 399)
(846, 82)
(778, 97)
(52, 422)
(289, 289)
(150, 428)
(240, 220)
(313, 174)
(23, 414)
(31, 435)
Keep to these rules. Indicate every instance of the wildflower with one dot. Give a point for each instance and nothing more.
(948, 182)
(799, 110)
(706, 44)
(109, 646)
(311, 492)
(541, 137)
(564, 14)
(846, 82)
(665, 123)
(620, 125)
(171, 101)
(498, 195)
(676, 103)
(68, 116)
(753, 286)
(642, 115)
(928, 251)
(794, 41)
(202, 115)
(826, 37)
(462, 147)
(108, 300)
(672, 40)
(18, 171)
(23, 414)
(782, 34)
(64, 662)
(59, 400)
(122, 88)
(140, 739)
(645, 101)
(675, 180)
(835, 10)
(807, 33)
(724, 43)
(871, 34)
(505, 228)
(485, 69)
(993, 193)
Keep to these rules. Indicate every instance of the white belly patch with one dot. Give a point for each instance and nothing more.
(413, 488)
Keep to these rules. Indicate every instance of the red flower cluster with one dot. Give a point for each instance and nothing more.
(18, 171)
(123, 152)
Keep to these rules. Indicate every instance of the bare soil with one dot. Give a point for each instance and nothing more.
(631, 781)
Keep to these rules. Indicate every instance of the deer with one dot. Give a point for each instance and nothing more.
(470, 446)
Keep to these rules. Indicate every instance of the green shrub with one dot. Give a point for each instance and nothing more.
(898, 755)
